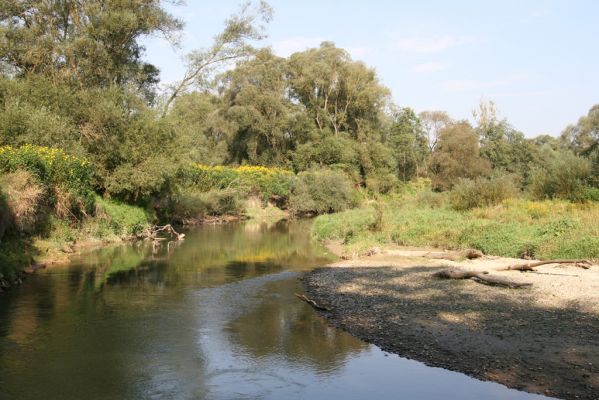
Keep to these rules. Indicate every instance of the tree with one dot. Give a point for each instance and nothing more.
(503, 146)
(339, 94)
(200, 122)
(257, 102)
(433, 123)
(583, 139)
(408, 141)
(231, 45)
(86, 43)
(457, 156)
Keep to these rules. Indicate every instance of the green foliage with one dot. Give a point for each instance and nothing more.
(50, 165)
(457, 156)
(591, 194)
(564, 175)
(268, 183)
(320, 192)
(82, 42)
(515, 229)
(409, 144)
(482, 192)
(122, 219)
(191, 205)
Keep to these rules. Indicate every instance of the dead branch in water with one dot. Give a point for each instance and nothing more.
(153, 232)
(312, 302)
(585, 264)
(481, 277)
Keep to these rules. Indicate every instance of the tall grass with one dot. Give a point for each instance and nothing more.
(514, 228)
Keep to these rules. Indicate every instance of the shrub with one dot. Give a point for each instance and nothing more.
(191, 204)
(320, 192)
(565, 176)
(268, 183)
(50, 166)
(431, 199)
(591, 194)
(124, 220)
(481, 192)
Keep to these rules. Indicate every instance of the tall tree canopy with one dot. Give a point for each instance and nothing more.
(88, 43)
(340, 94)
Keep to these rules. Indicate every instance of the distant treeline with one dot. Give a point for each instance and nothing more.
(73, 77)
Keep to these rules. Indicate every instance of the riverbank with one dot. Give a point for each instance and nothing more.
(516, 228)
(542, 339)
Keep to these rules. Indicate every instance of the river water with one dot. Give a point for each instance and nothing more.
(212, 317)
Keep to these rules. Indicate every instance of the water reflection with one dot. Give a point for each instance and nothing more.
(212, 317)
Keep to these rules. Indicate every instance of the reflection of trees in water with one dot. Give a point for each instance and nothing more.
(212, 255)
(285, 326)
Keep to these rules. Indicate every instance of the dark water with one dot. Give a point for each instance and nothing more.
(212, 318)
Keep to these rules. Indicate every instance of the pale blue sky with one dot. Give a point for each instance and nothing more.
(538, 60)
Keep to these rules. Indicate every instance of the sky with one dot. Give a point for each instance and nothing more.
(537, 60)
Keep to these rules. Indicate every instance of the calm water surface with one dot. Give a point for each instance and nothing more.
(213, 317)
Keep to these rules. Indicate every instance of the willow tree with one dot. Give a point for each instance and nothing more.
(86, 43)
(258, 103)
(234, 43)
(340, 94)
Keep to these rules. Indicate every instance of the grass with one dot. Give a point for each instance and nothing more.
(113, 221)
(514, 228)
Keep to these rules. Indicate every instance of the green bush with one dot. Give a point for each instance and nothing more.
(482, 192)
(321, 192)
(268, 183)
(565, 176)
(190, 205)
(591, 194)
(123, 220)
(53, 167)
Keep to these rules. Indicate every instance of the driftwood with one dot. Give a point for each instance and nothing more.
(469, 254)
(312, 302)
(585, 264)
(440, 255)
(481, 277)
(153, 232)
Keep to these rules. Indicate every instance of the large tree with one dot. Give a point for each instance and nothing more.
(583, 139)
(457, 156)
(233, 44)
(257, 101)
(341, 95)
(87, 43)
(408, 140)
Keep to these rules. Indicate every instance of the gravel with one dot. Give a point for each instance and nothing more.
(543, 340)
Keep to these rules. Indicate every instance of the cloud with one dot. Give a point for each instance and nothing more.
(432, 44)
(286, 47)
(429, 67)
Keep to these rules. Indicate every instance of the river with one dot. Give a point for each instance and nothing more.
(212, 317)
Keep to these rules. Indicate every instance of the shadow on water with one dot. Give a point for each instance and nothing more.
(213, 317)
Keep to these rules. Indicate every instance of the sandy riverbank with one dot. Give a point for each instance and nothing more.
(542, 339)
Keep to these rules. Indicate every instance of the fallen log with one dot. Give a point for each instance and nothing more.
(469, 254)
(585, 264)
(314, 304)
(481, 277)
(168, 228)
